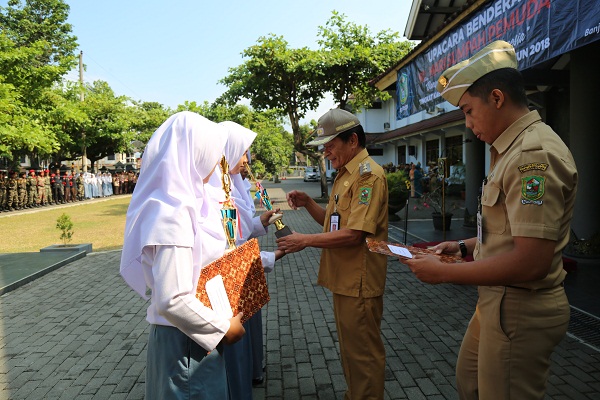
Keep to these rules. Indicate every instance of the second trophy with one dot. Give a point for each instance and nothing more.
(263, 196)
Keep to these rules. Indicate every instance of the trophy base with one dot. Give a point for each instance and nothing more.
(283, 232)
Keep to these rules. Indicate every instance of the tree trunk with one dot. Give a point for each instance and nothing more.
(324, 188)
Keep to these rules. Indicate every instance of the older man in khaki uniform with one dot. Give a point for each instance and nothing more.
(523, 225)
(357, 208)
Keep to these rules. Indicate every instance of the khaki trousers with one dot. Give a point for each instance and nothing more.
(505, 353)
(358, 322)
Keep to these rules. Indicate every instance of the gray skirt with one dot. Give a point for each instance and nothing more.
(180, 369)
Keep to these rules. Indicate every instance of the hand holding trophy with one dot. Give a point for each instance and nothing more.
(263, 196)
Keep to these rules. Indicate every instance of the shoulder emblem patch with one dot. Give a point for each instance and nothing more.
(365, 195)
(365, 168)
(533, 166)
(532, 189)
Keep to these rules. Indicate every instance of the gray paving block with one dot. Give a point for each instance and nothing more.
(88, 338)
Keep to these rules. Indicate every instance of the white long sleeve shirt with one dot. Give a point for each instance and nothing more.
(170, 273)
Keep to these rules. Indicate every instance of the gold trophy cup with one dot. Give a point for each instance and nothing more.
(263, 196)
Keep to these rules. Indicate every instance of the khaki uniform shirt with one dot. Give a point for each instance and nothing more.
(362, 205)
(530, 192)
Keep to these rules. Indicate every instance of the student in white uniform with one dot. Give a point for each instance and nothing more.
(239, 357)
(173, 229)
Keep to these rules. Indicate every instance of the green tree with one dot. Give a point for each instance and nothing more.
(353, 56)
(145, 118)
(65, 226)
(278, 78)
(36, 50)
(273, 146)
(40, 30)
(107, 131)
(294, 81)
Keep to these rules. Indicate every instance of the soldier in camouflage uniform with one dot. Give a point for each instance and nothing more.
(80, 188)
(12, 200)
(31, 189)
(22, 184)
(3, 184)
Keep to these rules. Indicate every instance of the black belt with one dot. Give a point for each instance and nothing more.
(562, 284)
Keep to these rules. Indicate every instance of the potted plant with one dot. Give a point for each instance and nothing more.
(398, 191)
(435, 199)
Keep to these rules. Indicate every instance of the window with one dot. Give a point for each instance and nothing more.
(111, 157)
(454, 149)
(432, 151)
(375, 152)
(401, 155)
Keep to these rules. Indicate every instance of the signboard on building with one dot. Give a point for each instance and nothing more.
(538, 29)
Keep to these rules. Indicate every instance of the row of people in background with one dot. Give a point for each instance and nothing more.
(29, 189)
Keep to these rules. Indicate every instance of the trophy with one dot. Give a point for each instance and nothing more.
(263, 196)
(228, 211)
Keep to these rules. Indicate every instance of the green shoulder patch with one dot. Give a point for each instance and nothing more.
(532, 189)
(365, 195)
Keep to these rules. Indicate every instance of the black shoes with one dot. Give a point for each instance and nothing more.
(258, 381)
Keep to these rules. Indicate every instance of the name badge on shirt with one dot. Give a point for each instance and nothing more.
(334, 222)
(334, 218)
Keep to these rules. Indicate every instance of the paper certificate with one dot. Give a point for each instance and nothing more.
(401, 251)
(215, 289)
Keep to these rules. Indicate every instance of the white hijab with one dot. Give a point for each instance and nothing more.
(239, 141)
(169, 205)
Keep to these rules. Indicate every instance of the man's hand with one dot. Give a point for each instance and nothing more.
(447, 248)
(297, 199)
(292, 243)
(428, 269)
(236, 330)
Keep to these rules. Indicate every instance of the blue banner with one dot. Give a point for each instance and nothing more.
(538, 29)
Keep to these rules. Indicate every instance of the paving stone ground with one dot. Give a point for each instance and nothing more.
(80, 333)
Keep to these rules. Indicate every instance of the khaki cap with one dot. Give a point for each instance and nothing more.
(455, 81)
(331, 124)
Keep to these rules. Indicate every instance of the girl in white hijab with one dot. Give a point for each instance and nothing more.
(239, 357)
(166, 236)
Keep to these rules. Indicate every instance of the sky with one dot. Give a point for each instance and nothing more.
(178, 50)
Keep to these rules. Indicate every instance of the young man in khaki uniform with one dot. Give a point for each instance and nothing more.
(357, 208)
(523, 225)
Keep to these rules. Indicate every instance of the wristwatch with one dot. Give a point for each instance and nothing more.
(463, 248)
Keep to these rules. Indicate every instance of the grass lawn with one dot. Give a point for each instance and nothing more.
(101, 223)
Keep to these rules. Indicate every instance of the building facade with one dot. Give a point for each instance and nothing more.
(558, 49)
